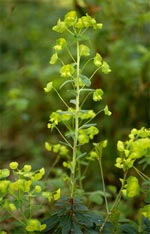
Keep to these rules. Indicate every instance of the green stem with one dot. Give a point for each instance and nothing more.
(141, 174)
(94, 73)
(103, 183)
(73, 170)
(69, 52)
(115, 203)
(30, 207)
(61, 134)
(89, 120)
(61, 98)
(16, 218)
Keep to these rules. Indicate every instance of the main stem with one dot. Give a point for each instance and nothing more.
(76, 126)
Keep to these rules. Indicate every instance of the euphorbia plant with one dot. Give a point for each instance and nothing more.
(77, 128)
(80, 129)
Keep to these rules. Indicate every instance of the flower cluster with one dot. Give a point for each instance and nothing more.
(136, 147)
(19, 188)
(71, 20)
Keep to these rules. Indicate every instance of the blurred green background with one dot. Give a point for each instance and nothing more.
(26, 41)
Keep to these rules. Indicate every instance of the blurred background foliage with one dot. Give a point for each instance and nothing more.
(26, 42)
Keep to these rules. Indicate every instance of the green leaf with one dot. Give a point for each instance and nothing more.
(84, 50)
(96, 198)
(81, 155)
(128, 228)
(86, 81)
(76, 228)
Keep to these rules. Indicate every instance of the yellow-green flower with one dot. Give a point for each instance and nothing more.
(13, 165)
(67, 70)
(34, 225)
(98, 60)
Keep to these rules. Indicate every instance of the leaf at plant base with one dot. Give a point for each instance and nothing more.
(128, 229)
(65, 224)
(145, 225)
(76, 228)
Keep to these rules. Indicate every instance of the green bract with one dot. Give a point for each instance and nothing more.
(98, 60)
(105, 68)
(136, 147)
(67, 70)
(48, 87)
(4, 173)
(107, 111)
(34, 225)
(70, 18)
(97, 95)
(60, 27)
(84, 50)
(13, 165)
(133, 187)
(54, 58)
(60, 44)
